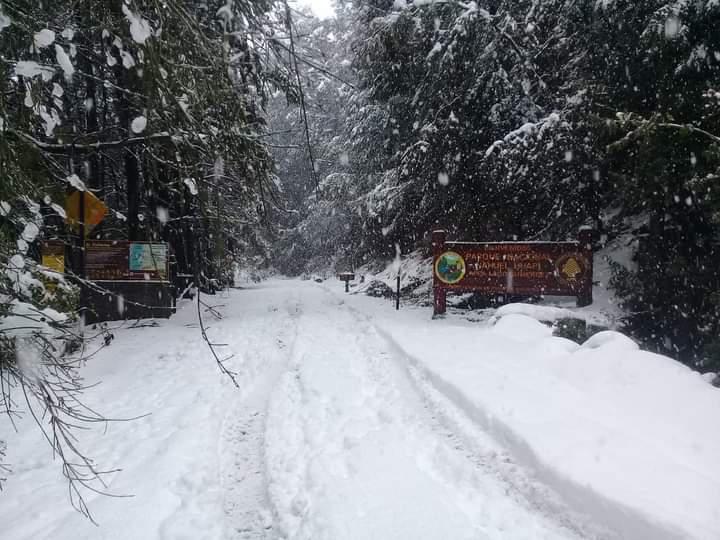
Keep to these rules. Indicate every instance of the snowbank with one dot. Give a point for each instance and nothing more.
(541, 313)
(624, 435)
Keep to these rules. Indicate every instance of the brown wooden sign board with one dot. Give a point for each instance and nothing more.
(122, 260)
(512, 268)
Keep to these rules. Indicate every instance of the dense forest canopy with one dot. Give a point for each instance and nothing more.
(527, 120)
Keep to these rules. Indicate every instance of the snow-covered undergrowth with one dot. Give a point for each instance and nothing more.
(415, 276)
(624, 435)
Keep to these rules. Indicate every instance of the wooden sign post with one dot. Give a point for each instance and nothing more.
(512, 268)
(347, 277)
(439, 291)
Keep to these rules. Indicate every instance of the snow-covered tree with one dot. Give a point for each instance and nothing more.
(500, 119)
(155, 107)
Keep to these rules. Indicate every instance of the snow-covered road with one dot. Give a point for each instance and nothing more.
(355, 450)
(336, 433)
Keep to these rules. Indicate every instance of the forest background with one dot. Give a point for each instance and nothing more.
(251, 133)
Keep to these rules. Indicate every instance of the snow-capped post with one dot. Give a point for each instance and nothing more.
(439, 292)
(507, 269)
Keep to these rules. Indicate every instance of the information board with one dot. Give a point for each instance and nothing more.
(148, 258)
(123, 260)
(512, 268)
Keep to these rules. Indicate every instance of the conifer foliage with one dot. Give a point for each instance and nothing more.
(154, 106)
(527, 119)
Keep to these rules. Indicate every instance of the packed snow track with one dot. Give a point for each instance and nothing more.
(335, 433)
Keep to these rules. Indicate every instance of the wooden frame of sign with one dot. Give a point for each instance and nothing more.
(512, 268)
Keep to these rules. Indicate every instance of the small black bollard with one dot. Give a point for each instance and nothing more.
(397, 296)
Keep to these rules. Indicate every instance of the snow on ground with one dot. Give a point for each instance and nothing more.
(352, 452)
(178, 463)
(354, 421)
(623, 435)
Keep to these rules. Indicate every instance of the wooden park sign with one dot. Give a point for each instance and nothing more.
(108, 260)
(347, 277)
(126, 280)
(512, 268)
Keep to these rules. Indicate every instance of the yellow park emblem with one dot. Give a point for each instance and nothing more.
(571, 267)
(450, 268)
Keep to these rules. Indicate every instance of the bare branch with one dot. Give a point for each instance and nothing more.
(91, 147)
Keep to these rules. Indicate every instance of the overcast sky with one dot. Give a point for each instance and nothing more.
(322, 8)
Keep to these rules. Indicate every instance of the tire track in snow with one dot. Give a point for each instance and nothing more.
(356, 452)
(470, 444)
(494, 449)
(248, 513)
(489, 456)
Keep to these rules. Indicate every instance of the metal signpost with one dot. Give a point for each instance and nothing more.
(397, 293)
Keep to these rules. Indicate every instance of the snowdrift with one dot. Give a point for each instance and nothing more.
(624, 435)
